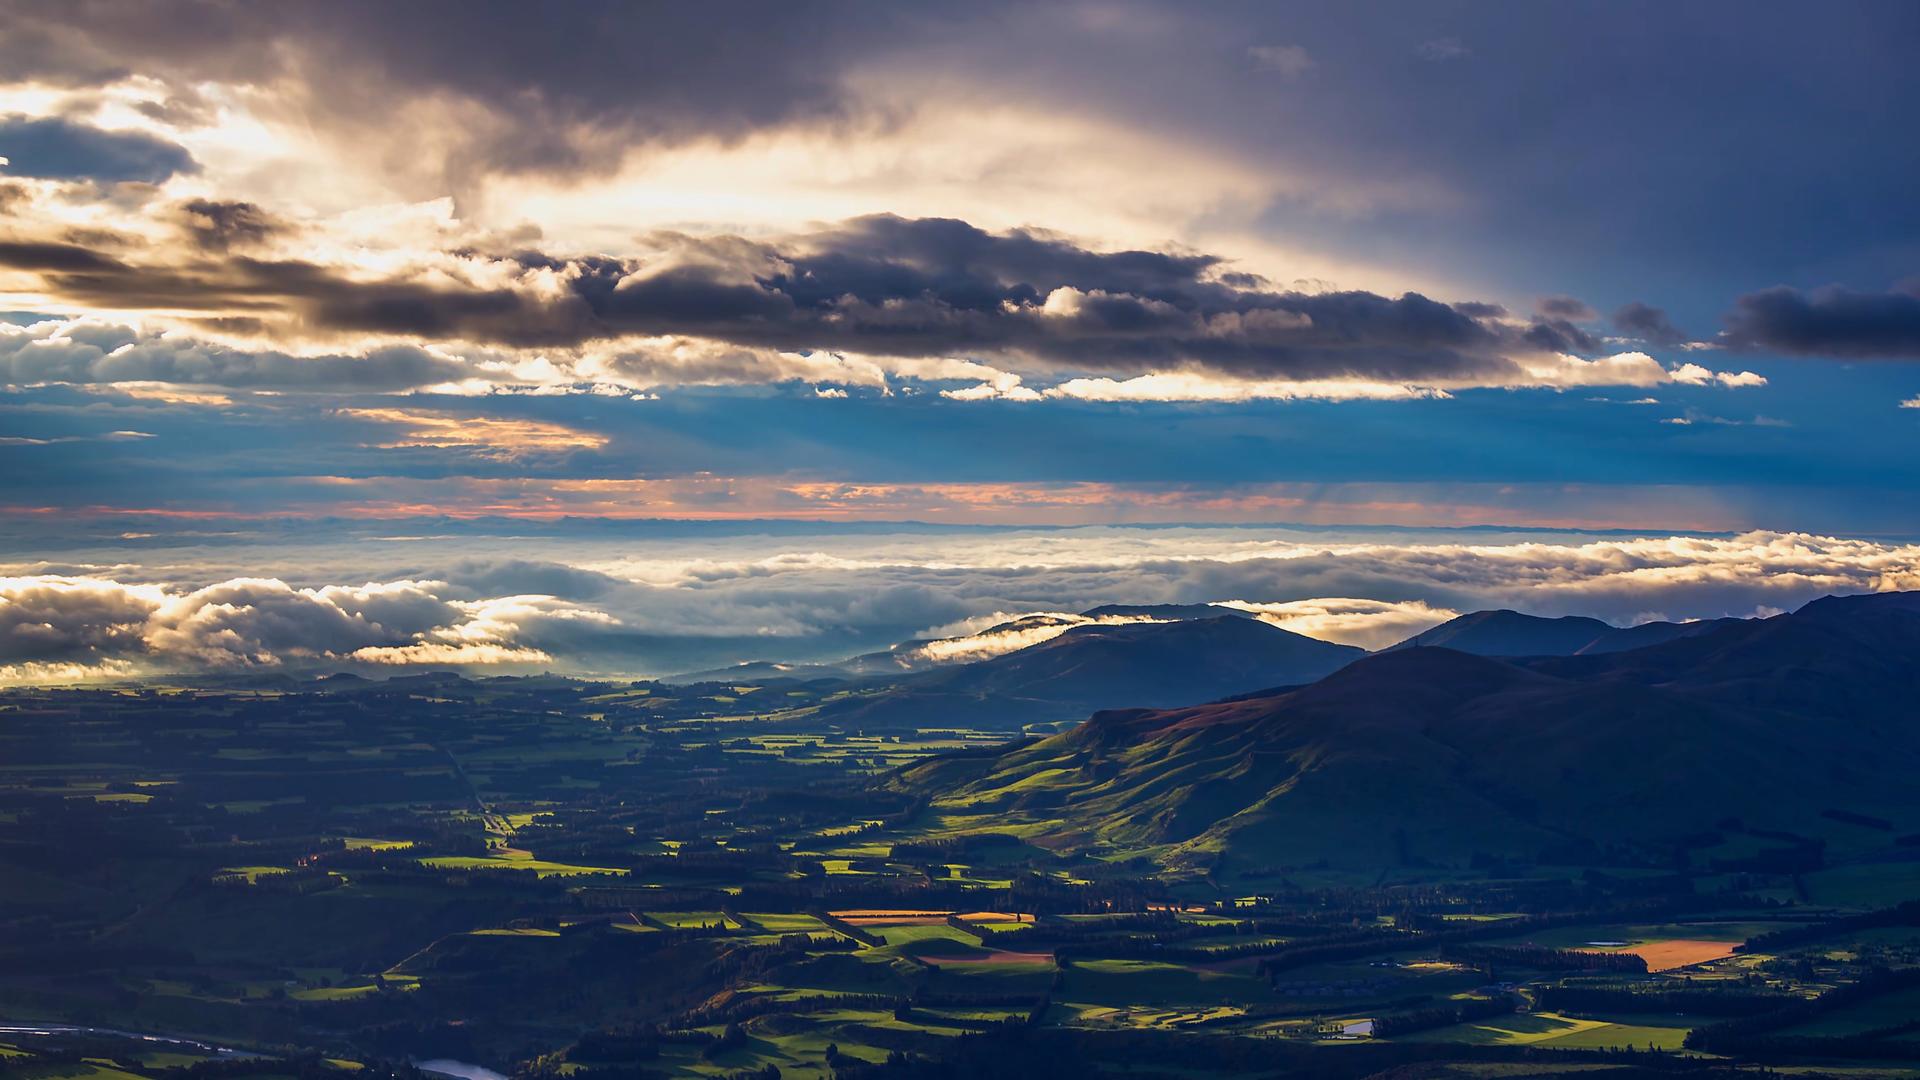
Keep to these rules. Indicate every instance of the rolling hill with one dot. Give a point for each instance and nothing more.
(923, 654)
(1436, 755)
(1093, 667)
(1843, 658)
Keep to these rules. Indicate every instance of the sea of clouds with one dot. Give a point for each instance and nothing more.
(640, 601)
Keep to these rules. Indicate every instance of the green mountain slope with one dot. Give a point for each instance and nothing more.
(1435, 755)
(1098, 667)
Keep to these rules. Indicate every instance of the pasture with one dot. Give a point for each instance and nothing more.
(1552, 1030)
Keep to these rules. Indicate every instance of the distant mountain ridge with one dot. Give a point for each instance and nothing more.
(1167, 612)
(1428, 753)
(1502, 632)
(1096, 666)
(758, 671)
(925, 654)
(1511, 633)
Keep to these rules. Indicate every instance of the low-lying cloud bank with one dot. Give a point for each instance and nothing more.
(640, 608)
(1002, 633)
(58, 628)
(1370, 624)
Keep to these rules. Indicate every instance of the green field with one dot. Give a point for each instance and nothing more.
(1564, 1032)
(549, 869)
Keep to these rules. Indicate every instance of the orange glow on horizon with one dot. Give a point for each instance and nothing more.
(715, 498)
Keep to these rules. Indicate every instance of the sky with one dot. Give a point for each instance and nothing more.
(873, 303)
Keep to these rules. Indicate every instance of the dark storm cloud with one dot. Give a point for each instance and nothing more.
(51, 148)
(1832, 321)
(58, 258)
(1570, 308)
(1479, 309)
(1517, 128)
(184, 108)
(882, 256)
(878, 285)
(217, 225)
(1648, 324)
(1559, 335)
(545, 73)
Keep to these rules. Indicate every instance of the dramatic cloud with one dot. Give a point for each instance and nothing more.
(1831, 321)
(1649, 324)
(1560, 336)
(626, 606)
(219, 226)
(57, 149)
(497, 631)
(71, 621)
(1002, 633)
(963, 264)
(92, 352)
(1566, 307)
(1369, 624)
(924, 289)
(1625, 579)
(1549, 372)
(876, 285)
(103, 626)
(264, 622)
(517, 89)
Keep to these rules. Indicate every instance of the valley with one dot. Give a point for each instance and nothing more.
(1593, 861)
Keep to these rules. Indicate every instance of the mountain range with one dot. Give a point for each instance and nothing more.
(1510, 633)
(1096, 666)
(1740, 737)
(1058, 667)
